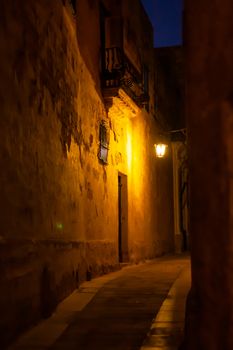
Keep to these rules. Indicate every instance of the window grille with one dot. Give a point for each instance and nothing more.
(104, 142)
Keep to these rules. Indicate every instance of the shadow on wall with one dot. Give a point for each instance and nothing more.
(48, 298)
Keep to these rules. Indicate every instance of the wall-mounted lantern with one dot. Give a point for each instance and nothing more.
(160, 149)
(168, 136)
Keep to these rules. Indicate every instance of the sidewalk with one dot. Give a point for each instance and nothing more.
(167, 329)
(115, 311)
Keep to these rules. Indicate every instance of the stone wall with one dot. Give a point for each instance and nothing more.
(209, 52)
(59, 203)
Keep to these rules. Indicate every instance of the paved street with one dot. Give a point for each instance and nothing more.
(138, 307)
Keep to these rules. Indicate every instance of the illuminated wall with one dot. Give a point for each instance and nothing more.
(59, 203)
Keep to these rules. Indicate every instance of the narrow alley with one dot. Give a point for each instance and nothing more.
(116, 156)
(138, 307)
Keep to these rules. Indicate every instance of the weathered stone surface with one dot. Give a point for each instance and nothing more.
(209, 53)
(36, 275)
(59, 203)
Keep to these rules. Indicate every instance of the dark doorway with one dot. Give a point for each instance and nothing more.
(122, 218)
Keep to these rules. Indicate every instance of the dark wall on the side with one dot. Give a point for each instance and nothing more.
(209, 110)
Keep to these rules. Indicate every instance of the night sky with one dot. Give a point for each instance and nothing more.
(166, 18)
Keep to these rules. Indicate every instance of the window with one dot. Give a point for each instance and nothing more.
(104, 142)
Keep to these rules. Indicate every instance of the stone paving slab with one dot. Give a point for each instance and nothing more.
(166, 331)
(115, 312)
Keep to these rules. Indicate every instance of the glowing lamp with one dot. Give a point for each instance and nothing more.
(160, 150)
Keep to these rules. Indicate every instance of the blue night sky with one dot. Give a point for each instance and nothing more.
(166, 18)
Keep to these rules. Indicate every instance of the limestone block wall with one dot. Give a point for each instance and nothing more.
(54, 192)
(150, 207)
(59, 204)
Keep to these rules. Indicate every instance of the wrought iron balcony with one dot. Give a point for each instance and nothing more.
(121, 79)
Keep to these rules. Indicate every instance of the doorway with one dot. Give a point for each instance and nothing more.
(122, 218)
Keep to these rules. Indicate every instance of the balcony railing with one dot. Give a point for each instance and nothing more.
(119, 72)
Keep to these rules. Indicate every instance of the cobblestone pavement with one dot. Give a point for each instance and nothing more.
(138, 307)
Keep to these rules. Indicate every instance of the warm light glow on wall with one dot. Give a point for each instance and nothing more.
(160, 150)
(129, 149)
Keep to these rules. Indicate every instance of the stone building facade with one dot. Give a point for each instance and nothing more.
(81, 188)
